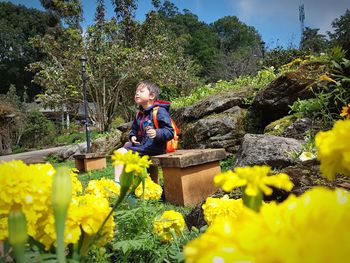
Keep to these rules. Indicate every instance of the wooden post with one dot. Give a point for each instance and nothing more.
(188, 174)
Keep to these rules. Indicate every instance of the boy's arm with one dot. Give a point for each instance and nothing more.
(165, 131)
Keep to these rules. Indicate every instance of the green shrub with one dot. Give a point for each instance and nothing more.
(39, 131)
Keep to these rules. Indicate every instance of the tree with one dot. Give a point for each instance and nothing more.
(125, 13)
(113, 67)
(312, 41)
(234, 34)
(17, 25)
(70, 11)
(240, 47)
(341, 35)
(199, 40)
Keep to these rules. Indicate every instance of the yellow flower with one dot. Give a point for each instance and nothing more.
(103, 188)
(27, 187)
(346, 112)
(77, 187)
(221, 207)
(170, 224)
(85, 214)
(152, 190)
(255, 179)
(132, 161)
(301, 229)
(326, 78)
(333, 151)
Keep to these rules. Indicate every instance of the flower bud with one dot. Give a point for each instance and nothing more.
(17, 228)
(61, 198)
(61, 189)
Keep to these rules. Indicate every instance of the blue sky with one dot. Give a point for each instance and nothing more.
(277, 21)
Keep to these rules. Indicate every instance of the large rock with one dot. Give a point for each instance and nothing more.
(275, 151)
(106, 145)
(103, 145)
(291, 127)
(70, 150)
(223, 130)
(306, 175)
(271, 103)
(214, 104)
(302, 128)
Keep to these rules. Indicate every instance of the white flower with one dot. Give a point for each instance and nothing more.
(305, 156)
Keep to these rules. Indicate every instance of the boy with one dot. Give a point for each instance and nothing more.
(144, 138)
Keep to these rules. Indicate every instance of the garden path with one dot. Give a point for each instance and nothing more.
(32, 156)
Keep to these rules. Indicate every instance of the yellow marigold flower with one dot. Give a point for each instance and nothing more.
(255, 179)
(289, 232)
(77, 187)
(346, 112)
(103, 188)
(333, 151)
(152, 190)
(90, 215)
(326, 78)
(27, 187)
(169, 224)
(221, 207)
(132, 161)
(86, 213)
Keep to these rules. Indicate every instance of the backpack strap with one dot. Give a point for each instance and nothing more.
(155, 121)
(154, 115)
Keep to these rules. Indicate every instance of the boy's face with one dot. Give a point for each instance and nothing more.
(143, 96)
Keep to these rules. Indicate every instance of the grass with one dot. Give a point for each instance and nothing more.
(108, 172)
(75, 137)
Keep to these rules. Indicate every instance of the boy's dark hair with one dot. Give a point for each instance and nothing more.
(153, 88)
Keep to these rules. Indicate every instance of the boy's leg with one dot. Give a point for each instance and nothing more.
(118, 169)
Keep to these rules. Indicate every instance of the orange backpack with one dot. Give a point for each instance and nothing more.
(171, 145)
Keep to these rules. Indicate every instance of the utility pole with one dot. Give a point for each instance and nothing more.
(301, 18)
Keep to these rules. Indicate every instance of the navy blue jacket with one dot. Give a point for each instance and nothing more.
(165, 132)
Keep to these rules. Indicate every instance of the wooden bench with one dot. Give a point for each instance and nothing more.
(90, 161)
(188, 174)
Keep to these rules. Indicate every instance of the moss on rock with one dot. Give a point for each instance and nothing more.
(278, 127)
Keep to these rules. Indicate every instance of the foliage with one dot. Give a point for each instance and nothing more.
(331, 89)
(11, 120)
(199, 39)
(75, 137)
(263, 77)
(341, 34)
(279, 56)
(113, 69)
(70, 11)
(17, 25)
(313, 42)
(39, 131)
(134, 241)
(227, 163)
(309, 108)
(239, 48)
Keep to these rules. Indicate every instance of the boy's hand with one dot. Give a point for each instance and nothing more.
(151, 133)
(134, 140)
